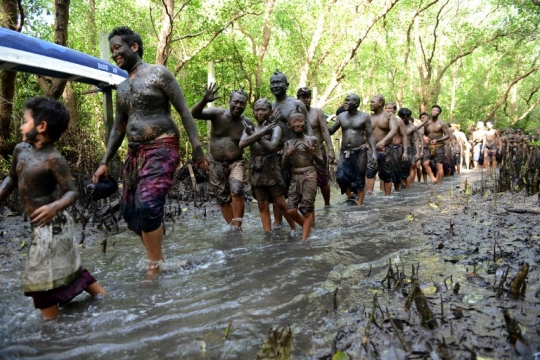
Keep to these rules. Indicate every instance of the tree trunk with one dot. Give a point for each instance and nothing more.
(315, 39)
(263, 46)
(165, 35)
(55, 87)
(10, 17)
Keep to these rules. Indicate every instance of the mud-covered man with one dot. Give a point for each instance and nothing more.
(385, 127)
(477, 140)
(435, 134)
(226, 170)
(409, 167)
(492, 145)
(398, 150)
(356, 136)
(319, 127)
(143, 115)
(284, 105)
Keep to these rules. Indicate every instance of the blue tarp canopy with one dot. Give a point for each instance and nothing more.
(24, 53)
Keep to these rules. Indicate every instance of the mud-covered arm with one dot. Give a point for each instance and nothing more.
(251, 134)
(314, 150)
(335, 127)
(210, 95)
(393, 126)
(371, 139)
(10, 182)
(273, 143)
(286, 156)
(306, 114)
(116, 137)
(172, 89)
(60, 170)
(404, 136)
(416, 138)
(323, 125)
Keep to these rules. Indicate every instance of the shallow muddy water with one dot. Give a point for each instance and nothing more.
(213, 276)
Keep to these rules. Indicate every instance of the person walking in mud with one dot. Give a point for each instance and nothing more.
(464, 148)
(226, 170)
(53, 273)
(398, 148)
(421, 172)
(301, 154)
(491, 144)
(319, 127)
(384, 126)
(143, 115)
(477, 141)
(409, 167)
(284, 105)
(355, 128)
(265, 170)
(435, 134)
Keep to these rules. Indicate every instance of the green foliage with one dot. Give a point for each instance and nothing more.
(465, 56)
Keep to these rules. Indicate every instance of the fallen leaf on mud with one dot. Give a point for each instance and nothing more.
(24, 254)
(340, 356)
(486, 223)
(513, 227)
(15, 240)
(23, 243)
(434, 206)
(444, 211)
(410, 217)
(428, 290)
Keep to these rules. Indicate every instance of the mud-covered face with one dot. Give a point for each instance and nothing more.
(28, 128)
(351, 103)
(124, 56)
(297, 124)
(237, 104)
(278, 85)
(261, 112)
(306, 100)
(423, 117)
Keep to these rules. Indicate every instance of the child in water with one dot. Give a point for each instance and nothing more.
(302, 151)
(53, 273)
(265, 170)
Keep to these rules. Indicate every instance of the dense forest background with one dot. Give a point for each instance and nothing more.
(477, 59)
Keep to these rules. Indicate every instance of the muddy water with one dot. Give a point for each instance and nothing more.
(214, 276)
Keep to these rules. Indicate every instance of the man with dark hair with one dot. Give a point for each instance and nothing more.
(397, 149)
(491, 144)
(356, 130)
(436, 133)
(226, 170)
(283, 106)
(420, 171)
(317, 121)
(143, 114)
(409, 167)
(384, 125)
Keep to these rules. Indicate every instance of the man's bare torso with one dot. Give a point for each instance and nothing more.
(353, 129)
(143, 102)
(225, 136)
(380, 125)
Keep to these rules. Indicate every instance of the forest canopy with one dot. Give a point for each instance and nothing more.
(478, 60)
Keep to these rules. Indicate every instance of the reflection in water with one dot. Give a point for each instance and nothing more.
(212, 276)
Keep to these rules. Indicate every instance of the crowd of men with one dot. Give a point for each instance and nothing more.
(387, 143)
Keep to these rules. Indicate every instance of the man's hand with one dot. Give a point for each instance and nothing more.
(199, 158)
(426, 140)
(269, 128)
(433, 142)
(373, 156)
(102, 170)
(331, 158)
(405, 157)
(380, 145)
(211, 93)
(43, 215)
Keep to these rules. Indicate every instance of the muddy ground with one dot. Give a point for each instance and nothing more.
(472, 241)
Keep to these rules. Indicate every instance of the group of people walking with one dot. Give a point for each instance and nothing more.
(290, 148)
